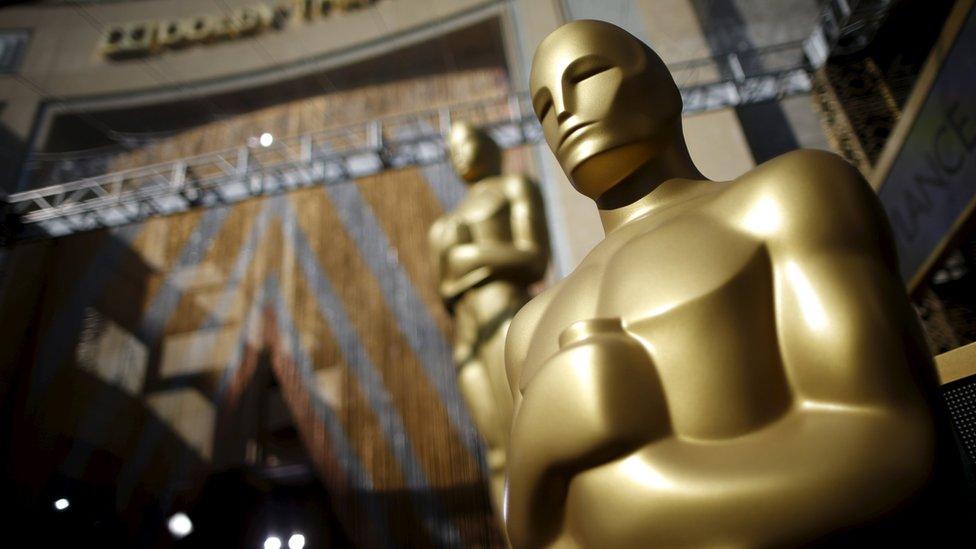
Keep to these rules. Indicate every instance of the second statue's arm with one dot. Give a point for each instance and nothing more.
(445, 235)
(525, 257)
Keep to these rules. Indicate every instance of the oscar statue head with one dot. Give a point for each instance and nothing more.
(606, 101)
(474, 154)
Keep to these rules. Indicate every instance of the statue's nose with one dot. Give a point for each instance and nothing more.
(560, 106)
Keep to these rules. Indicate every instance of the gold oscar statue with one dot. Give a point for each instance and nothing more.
(735, 364)
(487, 253)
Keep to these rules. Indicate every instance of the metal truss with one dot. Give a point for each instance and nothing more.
(227, 176)
(742, 78)
(845, 26)
(342, 154)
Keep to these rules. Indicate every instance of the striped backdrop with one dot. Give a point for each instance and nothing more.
(142, 340)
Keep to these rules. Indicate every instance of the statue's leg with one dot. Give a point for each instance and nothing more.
(493, 355)
(476, 388)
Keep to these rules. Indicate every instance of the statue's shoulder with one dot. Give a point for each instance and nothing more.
(484, 199)
(804, 174)
(814, 190)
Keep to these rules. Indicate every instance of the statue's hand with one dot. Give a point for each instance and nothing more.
(454, 287)
(596, 399)
(465, 258)
(599, 390)
(454, 232)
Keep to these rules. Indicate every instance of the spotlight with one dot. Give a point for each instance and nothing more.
(266, 140)
(61, 504)
(273, 542)
(296, 541)
(180, 525)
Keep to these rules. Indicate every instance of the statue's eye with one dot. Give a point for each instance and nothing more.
(543, 109)
(588, 73)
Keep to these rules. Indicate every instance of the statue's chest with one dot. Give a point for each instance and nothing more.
(485, 212)
(653, 272)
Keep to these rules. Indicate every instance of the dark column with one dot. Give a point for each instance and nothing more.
(765, 125)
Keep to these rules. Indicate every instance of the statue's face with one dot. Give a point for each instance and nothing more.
(605, 101)
(474, 154)
(464, 147)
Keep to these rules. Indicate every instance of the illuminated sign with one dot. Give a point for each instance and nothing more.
(141, 38)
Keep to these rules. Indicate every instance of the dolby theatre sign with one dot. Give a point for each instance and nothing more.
(142, 38)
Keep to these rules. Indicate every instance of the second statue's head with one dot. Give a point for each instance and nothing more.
(606, 101)
(474, 154)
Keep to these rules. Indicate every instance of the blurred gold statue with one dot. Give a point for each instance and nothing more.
(487, 253)
(735, 364)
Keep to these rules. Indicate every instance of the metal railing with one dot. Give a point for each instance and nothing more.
(230, 175)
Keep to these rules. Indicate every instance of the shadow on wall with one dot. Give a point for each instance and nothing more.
(12, 150)
(85, 414)
(66, 415)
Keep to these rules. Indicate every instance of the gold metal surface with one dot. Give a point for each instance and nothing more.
(487, 252)
(735, 364)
